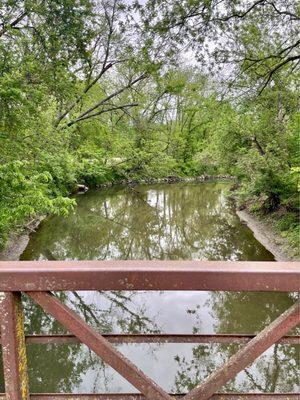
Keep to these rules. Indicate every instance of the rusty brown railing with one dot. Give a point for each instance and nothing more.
(38, 279)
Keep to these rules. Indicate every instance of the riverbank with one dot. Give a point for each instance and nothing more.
(17, 242)
(265, 232)
(168, 179)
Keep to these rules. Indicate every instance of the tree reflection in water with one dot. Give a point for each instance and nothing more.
(182, 221)
(277, 370)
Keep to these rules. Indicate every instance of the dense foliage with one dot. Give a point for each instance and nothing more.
(94, 91)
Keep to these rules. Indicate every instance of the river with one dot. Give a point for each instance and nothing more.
(159, 221)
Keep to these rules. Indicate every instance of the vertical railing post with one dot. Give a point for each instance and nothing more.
(13, 346)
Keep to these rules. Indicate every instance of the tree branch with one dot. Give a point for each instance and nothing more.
(284, 12)
(13, 23)
(79, 119)
(87, 88)
(225, 18)
(258, 146)
(240, 15)
(105, 66)
(276, 68)
(103, 101)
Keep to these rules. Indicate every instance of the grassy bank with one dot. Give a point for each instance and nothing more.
(274, 211)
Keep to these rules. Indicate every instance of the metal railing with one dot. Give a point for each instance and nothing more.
(37, 279)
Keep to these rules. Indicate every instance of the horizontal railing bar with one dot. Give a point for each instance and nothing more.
(158, 338)
(121, 396)
(149, 275)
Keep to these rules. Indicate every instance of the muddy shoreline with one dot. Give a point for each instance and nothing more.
(265, 233)
(17, 243)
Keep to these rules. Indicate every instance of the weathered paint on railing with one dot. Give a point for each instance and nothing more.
(149, 275)
(36, 279)
(130, 396)
(13, 347)
(163, 338)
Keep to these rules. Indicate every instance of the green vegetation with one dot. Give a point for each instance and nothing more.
(94, 91)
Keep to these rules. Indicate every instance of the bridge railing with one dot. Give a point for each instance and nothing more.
(38, 279)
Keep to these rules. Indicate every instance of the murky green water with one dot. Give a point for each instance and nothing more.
(179, 221)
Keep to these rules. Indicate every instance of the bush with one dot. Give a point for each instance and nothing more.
(287, 222)
(26, 194)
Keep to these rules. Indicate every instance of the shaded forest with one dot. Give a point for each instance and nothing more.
(98, 91)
